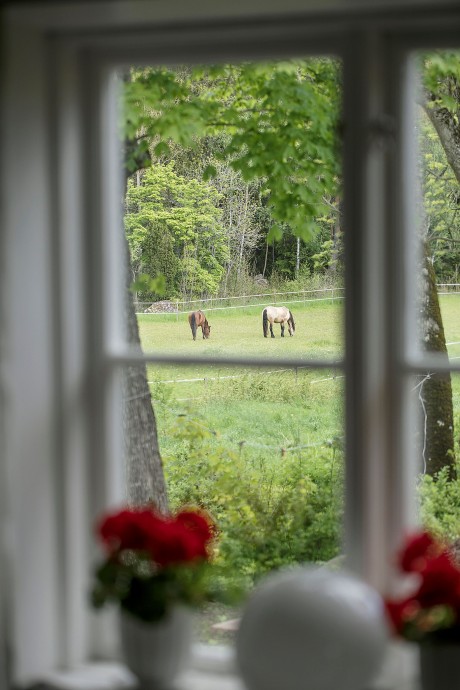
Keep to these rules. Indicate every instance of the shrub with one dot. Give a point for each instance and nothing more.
(271, 513)
(440, 504)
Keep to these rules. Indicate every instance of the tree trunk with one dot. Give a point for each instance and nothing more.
(297, 258)
(436, 390)
(144, 468)
(336, 234)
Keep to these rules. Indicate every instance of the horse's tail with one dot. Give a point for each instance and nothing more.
(193, 325)
(291, 317)
(265, 322)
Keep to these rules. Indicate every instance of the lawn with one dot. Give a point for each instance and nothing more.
(265, 411)
(271, 410)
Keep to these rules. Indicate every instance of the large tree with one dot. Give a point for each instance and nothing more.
(145, 481)
(441, 104)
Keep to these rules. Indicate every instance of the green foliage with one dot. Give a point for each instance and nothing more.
(280, 122)
(441, 78)
(266, 137)
(173, 228)
(148, 596)
(144, 283)
(258, 387)
(440, 504)
(323, 259)
(441, 198)
(271, 512)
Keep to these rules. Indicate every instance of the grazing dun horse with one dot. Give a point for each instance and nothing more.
(196, 319)
(282, 315)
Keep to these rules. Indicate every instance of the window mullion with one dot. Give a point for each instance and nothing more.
(372, 405)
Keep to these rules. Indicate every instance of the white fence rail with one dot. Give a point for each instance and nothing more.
(224, 303)
(290, 297)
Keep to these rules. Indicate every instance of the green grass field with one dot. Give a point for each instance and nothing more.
(259, 410)
(265, 411)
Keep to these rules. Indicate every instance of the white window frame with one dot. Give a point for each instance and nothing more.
(58, 468)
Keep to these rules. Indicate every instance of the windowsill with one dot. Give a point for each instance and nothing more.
(213, 668)
(114, 676)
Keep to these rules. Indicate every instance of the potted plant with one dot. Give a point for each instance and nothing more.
(429, 612)
(155, 568)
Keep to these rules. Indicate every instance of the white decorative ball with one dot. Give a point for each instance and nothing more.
(311, 629)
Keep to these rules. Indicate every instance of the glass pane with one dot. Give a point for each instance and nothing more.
(436, 312)
(439, 174)
(233, 211)
(233, 204)
(439, 485)
(262, 452)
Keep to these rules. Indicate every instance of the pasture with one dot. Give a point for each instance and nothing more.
(272, 408)
(260, 408)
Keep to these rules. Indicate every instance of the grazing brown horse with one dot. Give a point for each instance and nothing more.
(196, 319)
(282, 315)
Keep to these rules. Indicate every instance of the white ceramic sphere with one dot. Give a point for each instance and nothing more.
(311, 629)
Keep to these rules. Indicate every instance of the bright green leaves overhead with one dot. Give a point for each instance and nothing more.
(441, 195)
(441, 77)
(280, 122)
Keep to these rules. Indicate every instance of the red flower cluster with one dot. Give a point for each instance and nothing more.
(435, 604)
(166, 540)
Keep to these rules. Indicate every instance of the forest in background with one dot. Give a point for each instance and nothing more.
(254, 194)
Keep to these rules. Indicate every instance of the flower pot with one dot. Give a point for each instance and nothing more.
(440, 666)
(157, 652)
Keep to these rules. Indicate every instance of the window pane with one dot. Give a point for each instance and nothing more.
(233, 204)
(437, 288)
(439, 493)
(262, 451)
(439, 174)
(233, 209)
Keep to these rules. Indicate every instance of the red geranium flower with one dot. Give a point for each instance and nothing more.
(197, 522)
(433, 609)
(400, 612)
(127, 529)
(168, 540)
(148, 554)
(171, 543)
(412, 557)
(440, 582)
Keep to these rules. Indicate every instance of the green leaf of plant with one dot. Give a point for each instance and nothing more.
(162, 149)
